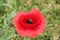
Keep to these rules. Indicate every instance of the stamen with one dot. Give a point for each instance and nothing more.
(29, 21)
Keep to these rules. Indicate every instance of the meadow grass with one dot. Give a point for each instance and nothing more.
(49, 8)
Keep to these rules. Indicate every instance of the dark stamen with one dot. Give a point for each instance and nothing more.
(29, 21)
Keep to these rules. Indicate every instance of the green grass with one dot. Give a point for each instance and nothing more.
(50, 9)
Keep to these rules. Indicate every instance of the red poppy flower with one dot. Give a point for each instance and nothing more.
(30, 23)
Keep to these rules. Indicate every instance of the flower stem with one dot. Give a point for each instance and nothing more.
(31, 38)
(27, 38)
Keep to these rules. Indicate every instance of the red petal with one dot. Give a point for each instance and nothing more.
(31, 32)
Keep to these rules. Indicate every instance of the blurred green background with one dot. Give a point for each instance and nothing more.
(49, 8)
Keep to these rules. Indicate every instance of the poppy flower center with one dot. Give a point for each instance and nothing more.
(29, 21)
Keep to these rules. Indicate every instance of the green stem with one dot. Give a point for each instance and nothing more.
(30, 39)
(27, 38)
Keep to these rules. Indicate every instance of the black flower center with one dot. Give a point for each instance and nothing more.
(29, 21)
